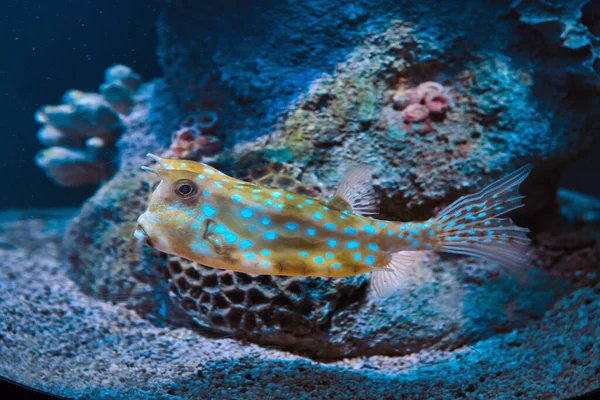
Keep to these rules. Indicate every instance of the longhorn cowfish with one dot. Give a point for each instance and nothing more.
(201, 214)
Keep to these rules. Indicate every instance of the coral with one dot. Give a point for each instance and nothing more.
(82, 133)
(196, 137)
(418, 103)
(267, 309)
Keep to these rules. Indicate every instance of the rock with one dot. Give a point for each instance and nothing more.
(496, 123)
(569, 30)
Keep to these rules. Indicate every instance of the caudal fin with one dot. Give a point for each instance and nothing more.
(471, 225)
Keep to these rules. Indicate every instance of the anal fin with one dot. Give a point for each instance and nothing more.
(403, 271)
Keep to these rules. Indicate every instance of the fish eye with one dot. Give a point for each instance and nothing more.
(185, 188)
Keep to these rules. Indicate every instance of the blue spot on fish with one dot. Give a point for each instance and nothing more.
(236, 198)
(230, 237)
(246, 244)
(304, 254)
(318, 215)
(370, 260)
(182, 165)
(330, 226)
(266, 252)
(247, 213)
(369, 229)
(332, 243)
(352, 245)
(311, 232)
(307, 201)
(256, 190)
(220, 229)
(329, 255)
(357, 256)
(276, 194)
(250, 256)
(265, 221)
(200, 176)
(292, 226)
(416, 243)
(351, 231)
(319, 260)
(269, 202)
(218, 184)
(373, 246)
(270, 235)
(337, 265)
(209, 211)
(206, 193)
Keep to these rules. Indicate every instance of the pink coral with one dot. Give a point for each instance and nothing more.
(437, 104)
(415, 113)
(429, 89)
(196, 137)
(434, 96)
(418, 103)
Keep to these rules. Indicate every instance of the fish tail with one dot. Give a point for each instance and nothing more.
(472, 225)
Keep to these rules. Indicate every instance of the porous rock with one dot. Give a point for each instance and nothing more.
(502, 116)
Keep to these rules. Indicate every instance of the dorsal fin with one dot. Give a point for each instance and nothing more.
(356, 193)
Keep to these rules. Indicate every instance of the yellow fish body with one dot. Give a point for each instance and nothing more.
(201, 214)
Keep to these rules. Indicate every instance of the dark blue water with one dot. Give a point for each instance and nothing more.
(47, 48)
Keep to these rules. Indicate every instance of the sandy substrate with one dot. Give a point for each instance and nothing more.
(56, 338)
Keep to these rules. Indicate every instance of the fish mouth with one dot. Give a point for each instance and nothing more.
(141, 235)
